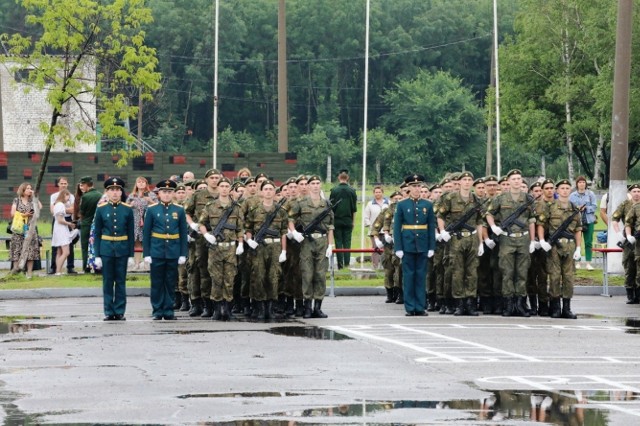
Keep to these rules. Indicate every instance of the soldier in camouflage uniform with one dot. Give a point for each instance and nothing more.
(465, 242)
(628, 261)
(269, 253)
(448, 307)
(237, 193)
(564, 251)
(490, 285)
(435, 274)
(182, 293)
(516, 243)
(199, 278)
(315, 249)
(292, 279)
(381, 227)
(537, 284)
(222, 261)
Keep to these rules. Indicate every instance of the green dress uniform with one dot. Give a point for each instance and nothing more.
(113, 244)
(222, 261)
(628, 262)
(164, 239)
(87, 209)
(343, 214)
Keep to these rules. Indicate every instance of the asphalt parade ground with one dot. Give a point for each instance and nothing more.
(367, 363)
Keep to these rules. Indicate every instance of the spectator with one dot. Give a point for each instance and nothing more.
(62, 184)
(139, 199)
(23, 204)
(371, 212)
(62, 236)
(87, 209)
(585, 197)
(344, 215)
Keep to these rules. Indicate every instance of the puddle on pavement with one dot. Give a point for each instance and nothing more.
(317, 333)
(240, 395)
(12, 325)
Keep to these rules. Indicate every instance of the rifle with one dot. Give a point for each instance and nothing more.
(512, 219)
(457, 226)
(218, 231)
(313, 225)
(562, 232)
(264, 230)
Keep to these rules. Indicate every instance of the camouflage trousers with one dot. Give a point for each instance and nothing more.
(629, 265)
(313, 267)
(562, 270)
(265, 272)
(538, 276)
(438, 271)
(514, 264)
(485, 274)
(495, 272)
(463, 261)
(291, 271)
(223, 264)
(199, 279)
(392, 268)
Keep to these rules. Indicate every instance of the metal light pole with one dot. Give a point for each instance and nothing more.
(283, 104)
(364, 130)
(215, 86)
(497, 76)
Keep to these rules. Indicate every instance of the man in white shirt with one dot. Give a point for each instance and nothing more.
(370, 214)
(63, 183)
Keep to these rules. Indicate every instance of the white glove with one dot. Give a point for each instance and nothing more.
(480, 249)
(298, 236)
(147, 259)
(195, 226)
(283, 256)
(329, 252)
(290, 235)
(430, 253)
(537, 244)
(252, 243)
(98, 262)
(388, 238)
(497, 230)
(240, 249)
(399, 254)
(182, 260)
(532, 246)
(131, 263)
(577, 255)
(620, 236)
(189, 239)
(212, 240)
(631, 239)
(377, 242)
(438, 237)
(445, 236)
(545, 245)
(490, 243)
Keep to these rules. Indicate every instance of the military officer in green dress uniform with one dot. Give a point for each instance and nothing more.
(113, 248)
(628, 261)
(87, 209)
(164, 246)
(414, 226)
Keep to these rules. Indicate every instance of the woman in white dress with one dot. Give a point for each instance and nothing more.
(62, 235)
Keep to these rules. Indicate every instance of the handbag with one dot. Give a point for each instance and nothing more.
(9, 231)
(18, 223)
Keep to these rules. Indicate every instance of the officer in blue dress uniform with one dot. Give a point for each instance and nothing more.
(414, 242)
(164, 245)
(113, 245)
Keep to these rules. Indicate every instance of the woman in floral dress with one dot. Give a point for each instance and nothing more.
(23, 204)
(140, 198)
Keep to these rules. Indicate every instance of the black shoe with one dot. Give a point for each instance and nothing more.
(170, 318)
(71, 272)
(409, 314)
(157, 317)
(51, 271)
(119, 317)
(185, 304)
(109, 318)
(421, 314)
(307, 309)
(317, 310)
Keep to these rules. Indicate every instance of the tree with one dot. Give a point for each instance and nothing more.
(73, 37)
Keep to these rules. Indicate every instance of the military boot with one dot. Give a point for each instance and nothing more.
(459, 307)
(236, 306)
(566, 309)
(260, 312)
(533, 302)
(451, 306)
(307, 309)
(317, 310)
(185, 304)
(269, 312)
(227, 311)
(390, 294)
(246, 306)
(178, 301)
(543, 308)
(443, 307)
(196, 307)
(208, 309)
(521, 307)
(508, 306)
(299, 307)
(471, 307)
(631, 296)
(278, 307)
(432, 303)
(498, 305)
(487, 305)
(554, 309)
(289, 311)
(400, 296)
(217, 311)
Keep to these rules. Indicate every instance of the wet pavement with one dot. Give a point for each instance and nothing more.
(367, 363)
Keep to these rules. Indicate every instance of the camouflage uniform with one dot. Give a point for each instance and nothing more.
(628, 261)
(391, 263)
(632, 220)
(291, 269)
(266, 271)
(222, 262)
(538, 276)
(463, 249)
(444, 278)
(199, 278)
(183, 277)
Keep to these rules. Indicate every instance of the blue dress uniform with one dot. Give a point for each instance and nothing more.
(113, 244)
(164, 239)
(414, 235)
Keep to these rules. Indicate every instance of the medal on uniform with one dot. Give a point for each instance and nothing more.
(174, 215)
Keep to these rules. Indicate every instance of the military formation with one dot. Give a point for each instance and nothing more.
(499, 246)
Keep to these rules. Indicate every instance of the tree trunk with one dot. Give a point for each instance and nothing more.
(569, 142)
(599, 160)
